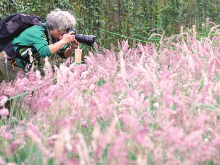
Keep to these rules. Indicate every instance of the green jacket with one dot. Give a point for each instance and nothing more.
(35, 38)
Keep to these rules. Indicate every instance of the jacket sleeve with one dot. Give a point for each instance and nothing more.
(61, 52)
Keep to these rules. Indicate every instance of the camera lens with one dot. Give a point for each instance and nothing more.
(85, 39)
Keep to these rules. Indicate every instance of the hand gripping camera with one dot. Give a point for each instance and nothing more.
(85, 39)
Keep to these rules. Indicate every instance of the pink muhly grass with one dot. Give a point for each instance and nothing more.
(2, 161)
(62, 145)
(130, 123)
(83, 150)
(15, 144)
(11, 163)
(3, 100)
(4, 112)
(7, 135)
(36, 137)
(101, 140)
(146, 95)
(118, 152)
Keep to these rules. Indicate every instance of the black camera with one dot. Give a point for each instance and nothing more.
(85, 39)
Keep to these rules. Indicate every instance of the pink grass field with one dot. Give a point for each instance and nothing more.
(139, 104)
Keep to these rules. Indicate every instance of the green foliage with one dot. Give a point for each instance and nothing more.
(126, 18)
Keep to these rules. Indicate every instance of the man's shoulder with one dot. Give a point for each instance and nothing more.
(30, 34)
(35, 28)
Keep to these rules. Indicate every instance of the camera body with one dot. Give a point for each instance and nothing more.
(85, 39)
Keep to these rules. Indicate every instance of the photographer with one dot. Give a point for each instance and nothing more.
(33, 42)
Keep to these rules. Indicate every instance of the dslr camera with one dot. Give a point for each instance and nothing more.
(85, 39)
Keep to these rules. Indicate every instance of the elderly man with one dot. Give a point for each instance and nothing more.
(33, 43)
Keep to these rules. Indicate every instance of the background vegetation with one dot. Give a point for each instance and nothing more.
(120, 19)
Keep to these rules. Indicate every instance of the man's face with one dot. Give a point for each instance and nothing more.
(57, 34)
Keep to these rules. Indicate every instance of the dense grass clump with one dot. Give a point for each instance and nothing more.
(138, 105)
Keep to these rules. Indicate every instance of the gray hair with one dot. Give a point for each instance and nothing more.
(61, 20)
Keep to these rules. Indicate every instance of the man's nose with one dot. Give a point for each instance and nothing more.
(60, 37)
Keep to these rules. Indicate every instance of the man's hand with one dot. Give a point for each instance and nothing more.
(75, 44)
(68, 37)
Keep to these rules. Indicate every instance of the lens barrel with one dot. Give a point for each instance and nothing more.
(85, 39)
